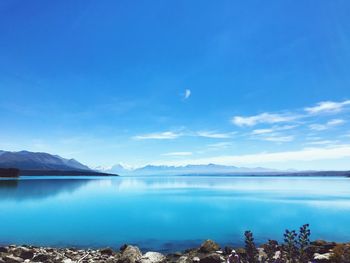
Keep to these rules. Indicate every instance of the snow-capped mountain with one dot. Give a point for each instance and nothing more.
(205, 169)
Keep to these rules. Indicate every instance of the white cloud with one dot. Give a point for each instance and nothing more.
(273, 129)
(324, 142)
(278, 138)
(327, 107)
(262, 131)
(168, 135)
(329, 124)
(220, 145)
(187, 94)
(306, 154)
(266, 117)
(335, 122)
(318, 127)
(215, 135)
(177, 154)
(273, 118)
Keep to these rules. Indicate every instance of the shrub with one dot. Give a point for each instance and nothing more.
(251, 251)
(290, 250)
(303, 243)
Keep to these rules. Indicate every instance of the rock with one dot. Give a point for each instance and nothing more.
(182, 259)
(153, 257)
(211, 258)
(131, 254)
(107, 251)
(209, 246)
(13, 259)
(40, 258)
(277, 255)
(27, 254)
(3, 250)
(67, 260)
(241, 252)
(2, 261)
(195, 259)
(123, 247)
(322, 247)
(321, 258)
(261, 254)
(23, 252)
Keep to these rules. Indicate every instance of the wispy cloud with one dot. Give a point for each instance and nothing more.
(167, 135)
(323, 142)
(215, 135)
(329, 124)
(273, 129)
(177, 154)
(220, 145)
(262, 131)
(187, 94)
(269, 118)
(273, 134)
(305, 154)
(176, 134)
(290, 116)
(335, 122)
(278, 138)
(327, 107)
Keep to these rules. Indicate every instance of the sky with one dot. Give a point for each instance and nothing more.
(245, 83)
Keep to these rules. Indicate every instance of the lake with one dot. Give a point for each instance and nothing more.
(169, 213)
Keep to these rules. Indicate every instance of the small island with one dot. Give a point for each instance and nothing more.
(9, 172)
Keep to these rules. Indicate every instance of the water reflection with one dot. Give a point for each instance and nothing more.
(169, 213)
(17, 189)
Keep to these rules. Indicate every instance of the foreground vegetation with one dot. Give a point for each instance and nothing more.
(295, 248)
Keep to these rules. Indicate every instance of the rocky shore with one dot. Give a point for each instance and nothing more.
(208, 252)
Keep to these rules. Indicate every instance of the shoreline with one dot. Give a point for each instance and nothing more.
(208, 252)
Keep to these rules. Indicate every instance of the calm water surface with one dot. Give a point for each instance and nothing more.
(169, 213)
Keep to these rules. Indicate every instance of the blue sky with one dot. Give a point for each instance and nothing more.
(247, 83)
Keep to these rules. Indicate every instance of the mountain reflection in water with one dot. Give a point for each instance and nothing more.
(36, 189)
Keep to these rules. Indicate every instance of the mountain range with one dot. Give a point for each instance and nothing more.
(40, 163)
(25, 160)
(205, 169)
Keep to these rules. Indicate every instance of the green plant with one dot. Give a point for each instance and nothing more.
(290, 249)
(303, 243)
(252, 252)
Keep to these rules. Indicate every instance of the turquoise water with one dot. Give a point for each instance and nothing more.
(169, 213)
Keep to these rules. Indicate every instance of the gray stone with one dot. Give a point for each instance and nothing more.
(209, 246)
(322, 257)
(3, 250)
(40, 258)
(13, 259)
(23, 252)
(153, 257)
(131, 254)
(182, 259)
(211, 258)
(107, 251)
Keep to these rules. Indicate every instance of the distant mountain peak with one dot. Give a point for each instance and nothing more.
(210, 168)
